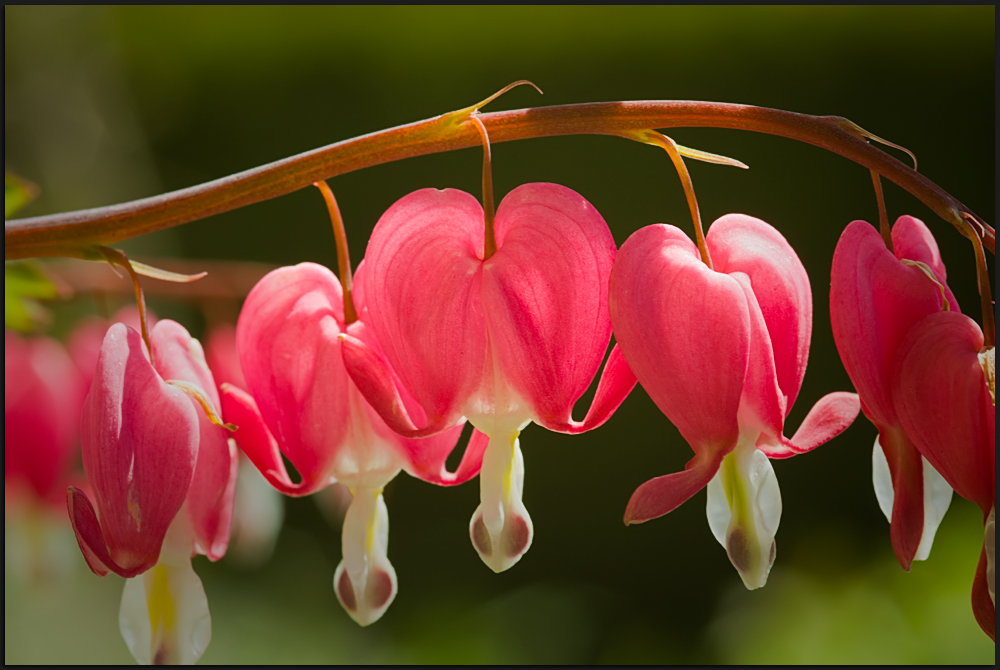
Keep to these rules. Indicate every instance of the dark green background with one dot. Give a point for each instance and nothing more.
(106, 105)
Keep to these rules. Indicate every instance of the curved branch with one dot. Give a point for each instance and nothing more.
(61, 234)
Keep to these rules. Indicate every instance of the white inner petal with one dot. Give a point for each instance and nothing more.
(937, 497)
(500, 528)
(882, 479)
(365, 581)
(164, 616)
(744, 510)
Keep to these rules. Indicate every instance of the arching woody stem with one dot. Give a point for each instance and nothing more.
(61, 234)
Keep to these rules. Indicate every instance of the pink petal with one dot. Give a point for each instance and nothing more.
(423, 293)
(982, 605)
(259, 445)
(762, 404)
(944, 403)
(912, 239)
(874, 300)
(426, 457)
(741, 243)
(545, 294)
(88, 533)
(617, 381)
(178, 356)
(140, 442)
(223, 358)
(828, 418)
(685, 332)
(373, 377)
(358, 287)
(43, 394)
(664, 494)
(287, 337)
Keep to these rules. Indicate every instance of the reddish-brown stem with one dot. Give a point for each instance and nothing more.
(118, 257)
(489, 210)
(65, 234)
(883, 216)
(343, 254)
(668, 145)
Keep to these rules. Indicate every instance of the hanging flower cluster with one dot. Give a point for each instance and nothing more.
(460, 313)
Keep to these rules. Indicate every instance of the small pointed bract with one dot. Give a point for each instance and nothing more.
(722, 352)
(876, 297)
(502, 341)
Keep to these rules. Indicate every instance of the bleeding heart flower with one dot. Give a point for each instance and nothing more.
(943, 400)
(305, 406)
(876, 297)
(163, 477)
(722, 352)
(43, 394)
(85, 342)
(501, 341)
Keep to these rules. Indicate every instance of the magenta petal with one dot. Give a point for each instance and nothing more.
(741, 243)
(685, 333)
(617, 381)
(287, 337)
(545, 294)
(762, 405)
(874, 301)
(664, 494)
(374, 379)
(88, 532)
(259, 445)
(43, 394)
(944, 403)
(828, 418)
(178, 356)
(140, 442)
(222, 357)
(982, 605)
(423, 294)
(426, 457)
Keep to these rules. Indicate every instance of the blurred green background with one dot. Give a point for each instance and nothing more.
(107, 105)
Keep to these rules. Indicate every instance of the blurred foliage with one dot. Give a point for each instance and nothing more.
(108, 104)
(17, 193)
(23, 284)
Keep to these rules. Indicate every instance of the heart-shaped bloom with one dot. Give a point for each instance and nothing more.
(502, 341)
(876, 297)
(943, 400)
(163, 477)
(722, 352)
(304, 405)
(43, 394)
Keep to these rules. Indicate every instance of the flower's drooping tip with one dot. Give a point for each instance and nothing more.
(501, 528)
(365, 581)
(744, 508)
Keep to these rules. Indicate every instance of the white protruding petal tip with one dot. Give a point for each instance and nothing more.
(365, 581)
(500, 528)
(937, 499)
(744, 510)
(164, 616)
(882, 480)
